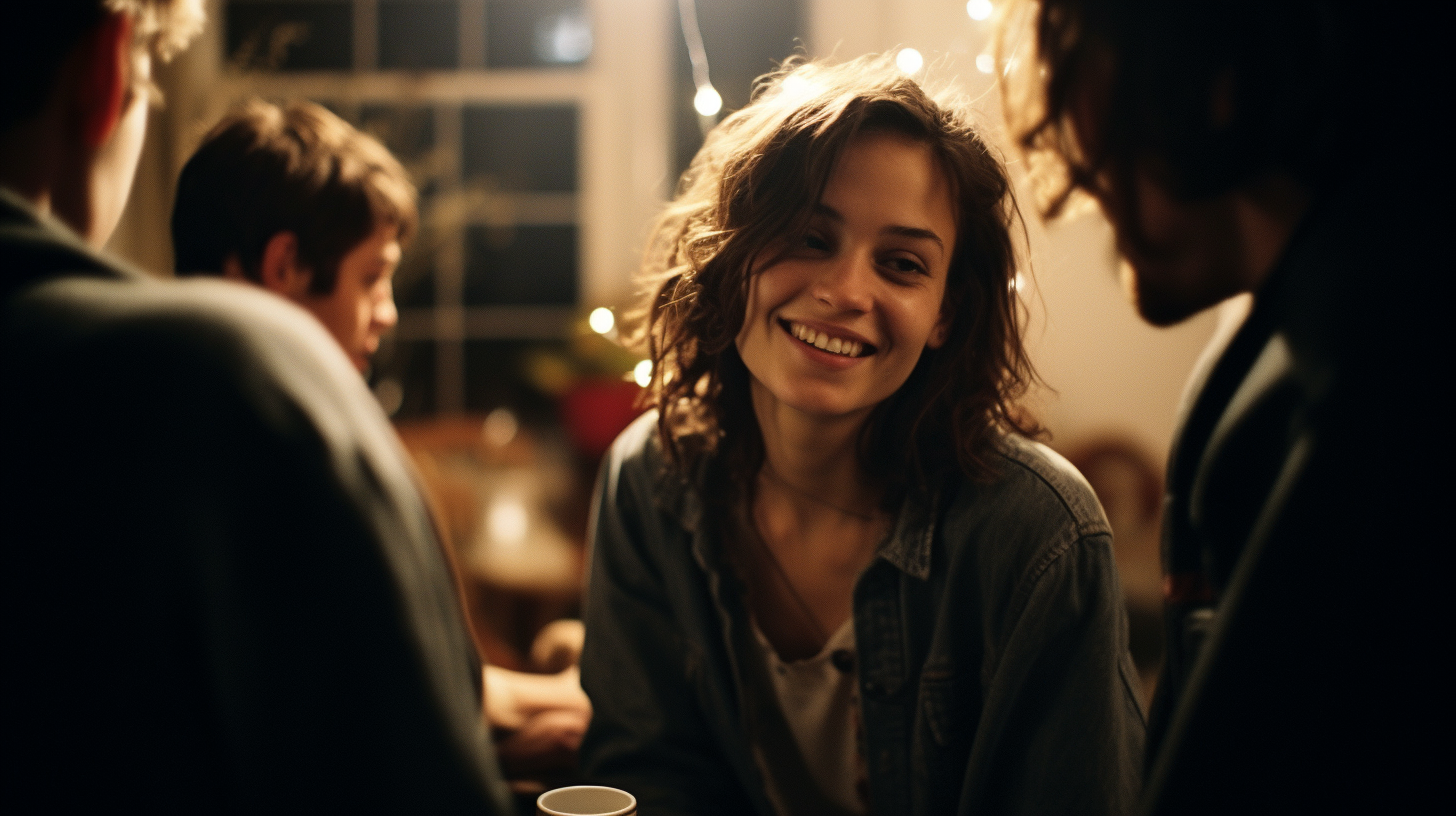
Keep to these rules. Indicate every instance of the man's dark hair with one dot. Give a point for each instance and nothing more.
(36, 37)
(1213, 92)
(266, 169)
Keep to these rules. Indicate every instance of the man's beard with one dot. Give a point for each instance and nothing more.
(1165, 294)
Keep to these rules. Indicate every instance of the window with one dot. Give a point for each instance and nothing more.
(486, 103)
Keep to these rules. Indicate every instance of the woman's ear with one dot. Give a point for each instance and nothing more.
(280, 271)
(941, 331)
(105, 59)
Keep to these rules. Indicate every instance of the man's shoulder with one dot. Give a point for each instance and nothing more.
(204, 352)
(193, 325)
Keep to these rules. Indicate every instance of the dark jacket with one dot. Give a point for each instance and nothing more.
(221, 590)
(992, 649)
(1305, 540)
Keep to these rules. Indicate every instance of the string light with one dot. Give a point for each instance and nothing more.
(909, 60)
(979, 9)
(642, 373)
(601, 320)
(985, 63)
(707, 100)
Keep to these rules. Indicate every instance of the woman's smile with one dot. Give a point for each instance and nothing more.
(831, 340)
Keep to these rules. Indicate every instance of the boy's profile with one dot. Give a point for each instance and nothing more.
(297, 201)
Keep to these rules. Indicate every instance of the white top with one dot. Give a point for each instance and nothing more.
(819, 700)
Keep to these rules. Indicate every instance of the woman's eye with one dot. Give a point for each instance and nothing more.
(816, 243)
(904, 266)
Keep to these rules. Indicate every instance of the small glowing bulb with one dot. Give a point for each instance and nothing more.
(601, 320)
(500, 427)
(508, 522)
(985, 63)
(979, 9)
(909, 60)
(642, 373)
(707, 101)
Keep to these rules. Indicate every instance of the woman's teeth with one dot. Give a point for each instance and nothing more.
(822, 341)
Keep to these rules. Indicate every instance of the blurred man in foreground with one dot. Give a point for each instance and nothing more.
(221, 592)
(297, 201)
(1231, 147)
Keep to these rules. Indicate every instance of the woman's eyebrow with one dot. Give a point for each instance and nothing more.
(894, 229)
(915, 232)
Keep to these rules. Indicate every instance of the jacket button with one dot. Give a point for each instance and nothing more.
(843, 659)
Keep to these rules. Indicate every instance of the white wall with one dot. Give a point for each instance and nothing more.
(1107, 372)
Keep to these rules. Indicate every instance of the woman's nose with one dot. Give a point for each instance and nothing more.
(846, 282)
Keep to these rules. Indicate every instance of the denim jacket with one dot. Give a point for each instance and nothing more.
(992, 648)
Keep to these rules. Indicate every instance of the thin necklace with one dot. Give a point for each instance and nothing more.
(773, 474)
(778, 568)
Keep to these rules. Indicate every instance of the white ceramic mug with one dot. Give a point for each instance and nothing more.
(586, 800)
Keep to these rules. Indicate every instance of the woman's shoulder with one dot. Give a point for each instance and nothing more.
(636, 446)
(1037, 517)
(1035, 489)
(1034, 467)
(636, 464)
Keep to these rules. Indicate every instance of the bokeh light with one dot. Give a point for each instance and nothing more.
(707, 101)
(979, 9)
(909, 60)
(601, 320)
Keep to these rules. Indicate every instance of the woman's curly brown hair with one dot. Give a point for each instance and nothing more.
(754, 183)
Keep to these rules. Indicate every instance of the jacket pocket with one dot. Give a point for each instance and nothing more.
(948, 705)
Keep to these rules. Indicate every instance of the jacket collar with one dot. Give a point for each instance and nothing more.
(907, 547)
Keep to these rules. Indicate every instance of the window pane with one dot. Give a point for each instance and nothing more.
(300, 36)
(536, 33)
(414, 279)
(498, 373)
(419, 34)
(408, 132)
(523, 265)
(521, 148)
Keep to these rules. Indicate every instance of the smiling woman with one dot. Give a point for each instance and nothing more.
(836, 324)
(831, 574)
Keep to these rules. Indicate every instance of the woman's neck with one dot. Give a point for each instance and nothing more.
(814, 459)
(817, 524)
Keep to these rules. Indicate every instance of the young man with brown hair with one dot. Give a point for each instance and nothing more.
(297, 201)
(1232, 146)
(220, 587)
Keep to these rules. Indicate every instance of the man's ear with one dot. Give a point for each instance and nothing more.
(104, 63)
(280, 271)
